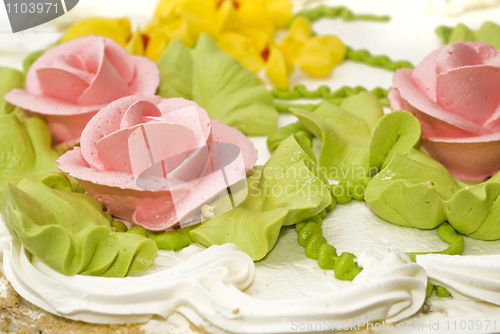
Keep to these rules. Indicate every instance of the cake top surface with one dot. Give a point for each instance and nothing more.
(286, 273)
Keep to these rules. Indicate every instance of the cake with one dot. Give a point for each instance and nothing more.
(286, 279)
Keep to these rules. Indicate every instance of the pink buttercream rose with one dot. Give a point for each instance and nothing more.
(155, 161)
(71, 82)
(455, 94)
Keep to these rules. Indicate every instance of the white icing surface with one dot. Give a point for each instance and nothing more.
(286, 273)
(206, 288)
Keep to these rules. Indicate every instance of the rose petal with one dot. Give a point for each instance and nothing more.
(115, 150)
(178, 110)
(119, 57)
(61, 84)
(191, 189)
(107, 86)
(487, 52)
(135, 149)
(472, 92)
(137, 113)
(222, 133)
(470, 159)
(81, 55)
(425, 75)
(107, 121)
(455, 55)
(397, 103)
(435, 120)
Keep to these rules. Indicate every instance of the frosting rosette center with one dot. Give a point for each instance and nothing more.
(69, 83)
(156, 161)
(455, 94)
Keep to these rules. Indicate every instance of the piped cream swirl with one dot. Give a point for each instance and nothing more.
(207, 289)
(475, 276)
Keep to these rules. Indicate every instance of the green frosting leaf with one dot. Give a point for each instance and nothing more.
(9, 79)
(70, 232)
(417, 191)
(276, 137)
(25, 150)
(288, 189)
(219, 84)
(398, 131)
(488, 33)
(345, 131)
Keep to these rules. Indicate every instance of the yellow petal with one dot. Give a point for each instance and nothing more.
(156, 44)
(280, 12)
(136, 44)
(198, 17)
(116, 29)
(166, 8)
(320, 54)
(277, 69)
(242, 48)
(179, 28)
(294, 40)
(253, 13)
(255, 22)
(300, 29)
(259, 38)
(226, 19)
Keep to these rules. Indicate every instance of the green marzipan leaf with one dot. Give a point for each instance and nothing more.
(219, 84)
(345, 131)
(488, 33)
(25, 150)
(9, 79)
(70, 232)
(417, 191)
(288, 189)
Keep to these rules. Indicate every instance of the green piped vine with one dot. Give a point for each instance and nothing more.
(310, 235)
(448, 234)
(341, 12)
(383, 61)
(169, 240)
(324, 92)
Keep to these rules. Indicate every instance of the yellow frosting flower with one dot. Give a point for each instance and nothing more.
(320, 54)
(316, 55)
(135, 45)
(241, 28)
(280, 12)
(278, 68)
(116, 29)
(241, 47)
(156, 44)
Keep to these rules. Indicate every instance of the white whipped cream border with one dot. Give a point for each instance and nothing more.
(208, 288)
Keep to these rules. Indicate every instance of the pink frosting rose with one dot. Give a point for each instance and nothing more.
(151, 160)
(455, 94)
(71, 82)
